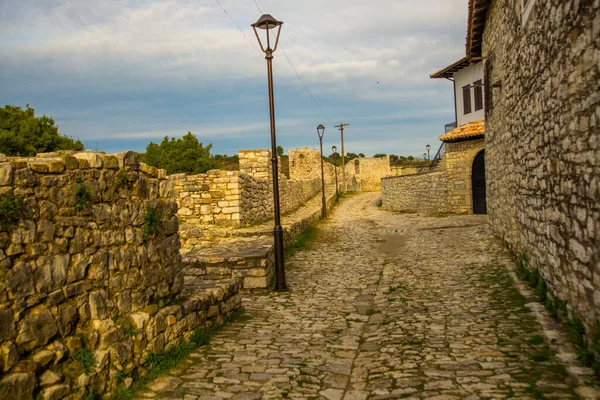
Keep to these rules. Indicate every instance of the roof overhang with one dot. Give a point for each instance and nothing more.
(477, 14)
(469, 131)
(449, 71)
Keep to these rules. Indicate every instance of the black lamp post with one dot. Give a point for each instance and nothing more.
(334, 150)
(321, 132)
(267, 23)
(428, 147)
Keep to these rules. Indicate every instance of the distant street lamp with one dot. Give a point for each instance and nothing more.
(320, 132)
(424, 156)
(334, 150)
(267, 23)
(428, 147)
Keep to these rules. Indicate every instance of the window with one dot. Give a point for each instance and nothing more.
(467, 99)
(478, 95)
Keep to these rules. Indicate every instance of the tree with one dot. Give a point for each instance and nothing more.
(24, 134)
(361, 155)
(351, 156)
(279, 150)
(380, 155)
(393, 158)
(180, 155)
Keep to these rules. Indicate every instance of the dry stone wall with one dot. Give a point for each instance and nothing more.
(370, 171)
(543, 142)
(88, 250)
(234, 198)
(425, 193)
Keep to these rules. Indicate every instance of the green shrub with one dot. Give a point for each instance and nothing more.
(86, 359)
(10, 211)
(83, 197)
(152, 222)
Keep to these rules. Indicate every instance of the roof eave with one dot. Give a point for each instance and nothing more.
(476, 24)
(448, 71)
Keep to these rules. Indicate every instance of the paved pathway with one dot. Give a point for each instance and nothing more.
(382, 306)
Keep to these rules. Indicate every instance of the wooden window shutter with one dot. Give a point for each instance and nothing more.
(487, 82)
(478, 95)
(466, 99)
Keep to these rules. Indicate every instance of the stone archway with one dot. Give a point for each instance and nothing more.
(478, 194)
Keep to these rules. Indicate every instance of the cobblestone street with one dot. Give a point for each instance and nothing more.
(382, 305)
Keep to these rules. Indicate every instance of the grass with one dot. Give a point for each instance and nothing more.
(160, 363)
(394, 288)
(86, 359)
(302, 241)
(152, 222)
(588, 346)
(83, 197)
(122, 179)
(10, 210)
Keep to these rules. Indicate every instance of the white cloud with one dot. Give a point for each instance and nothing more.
(340, 48)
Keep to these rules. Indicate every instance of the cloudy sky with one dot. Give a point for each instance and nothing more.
(120, 73)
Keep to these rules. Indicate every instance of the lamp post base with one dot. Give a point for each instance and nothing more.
(280, 284)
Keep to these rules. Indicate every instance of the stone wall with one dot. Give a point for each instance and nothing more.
(234, 198)
(88, 251)
(542, 142)
(306, 164)
(424, 193)
(370, 171)
(459, 165)
(403, 170)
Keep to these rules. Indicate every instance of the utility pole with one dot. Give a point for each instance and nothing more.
(341, 128)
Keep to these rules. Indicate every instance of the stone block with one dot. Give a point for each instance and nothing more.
(19, 386)
(55, 392)
(6, 174)
(9, 355)
(91, 159)
(7, 325)
(36, 329)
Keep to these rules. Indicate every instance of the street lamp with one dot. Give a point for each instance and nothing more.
(428, 147)
(424, 156)
(321, 132)
(334, 150)
(267, 23)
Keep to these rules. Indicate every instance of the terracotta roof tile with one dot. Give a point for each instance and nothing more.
(470, 130)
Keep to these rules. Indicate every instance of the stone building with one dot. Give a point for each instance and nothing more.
(457, 183)
(542, 74)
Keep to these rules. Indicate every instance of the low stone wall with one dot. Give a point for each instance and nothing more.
(404, 170)
(234, 198)
(89, 248)
(425, 193)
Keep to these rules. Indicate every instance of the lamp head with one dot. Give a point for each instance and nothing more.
(428, 147)
(334, 149)
(267, 23)
(320, 131)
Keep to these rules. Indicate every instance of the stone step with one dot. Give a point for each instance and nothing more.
(250, 259)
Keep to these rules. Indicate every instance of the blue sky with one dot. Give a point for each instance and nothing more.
(120, 73)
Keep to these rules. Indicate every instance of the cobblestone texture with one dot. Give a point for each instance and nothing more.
(381, 306)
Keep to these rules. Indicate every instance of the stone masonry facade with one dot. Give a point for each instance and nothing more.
(83, 272)
(236, 198)
(543, 141)
(447, 188)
